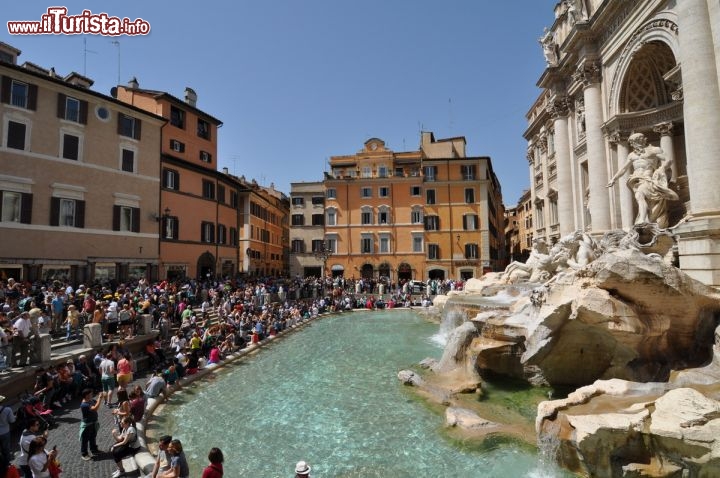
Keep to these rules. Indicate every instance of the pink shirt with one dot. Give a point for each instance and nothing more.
(214, 355)
(124, 367)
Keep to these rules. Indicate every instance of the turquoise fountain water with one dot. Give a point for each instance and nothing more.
(329, 395)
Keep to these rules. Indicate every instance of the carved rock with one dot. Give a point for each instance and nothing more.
(467, 419)
(631, 317)
(408, 377)
(429, 363)
(616, 428)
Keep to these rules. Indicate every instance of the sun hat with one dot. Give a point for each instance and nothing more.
(302, 468)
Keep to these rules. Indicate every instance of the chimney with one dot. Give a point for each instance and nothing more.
(226, 171)
(190, 96)
(8, 53)
(133, 83)
(77, 79)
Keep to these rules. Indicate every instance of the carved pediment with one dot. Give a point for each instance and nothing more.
(374, 144)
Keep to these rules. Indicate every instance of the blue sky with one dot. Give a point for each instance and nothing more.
(296, 82)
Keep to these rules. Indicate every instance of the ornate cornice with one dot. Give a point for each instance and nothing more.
(617, 21)
(644, 121)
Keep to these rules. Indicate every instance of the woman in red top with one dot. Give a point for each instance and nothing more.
(215, 468)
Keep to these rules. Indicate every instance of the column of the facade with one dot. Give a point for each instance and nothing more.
(698, 244)
(701, 106)
(558, 110)
(589, 73)
(533, 192)
(668, 147)
(714, 11)
(627, 217)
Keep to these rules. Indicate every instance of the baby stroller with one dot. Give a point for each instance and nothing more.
(32, 407)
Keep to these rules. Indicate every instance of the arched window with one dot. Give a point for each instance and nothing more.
(644, 87)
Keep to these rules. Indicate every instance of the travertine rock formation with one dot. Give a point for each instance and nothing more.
(626, 315)
(618, 428)
(618, 328)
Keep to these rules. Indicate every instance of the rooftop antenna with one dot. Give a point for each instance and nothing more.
(85, 52)
(117, 44)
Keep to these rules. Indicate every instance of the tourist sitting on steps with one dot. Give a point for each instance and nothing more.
(178, 464)
(126, 444)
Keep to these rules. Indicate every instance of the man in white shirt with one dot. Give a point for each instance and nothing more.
(107, 377)
(21, 334)
(111, 315)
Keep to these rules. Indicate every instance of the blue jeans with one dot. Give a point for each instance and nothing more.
(70, 330)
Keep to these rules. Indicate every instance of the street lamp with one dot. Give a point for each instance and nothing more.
(163, 225)
(322, 252)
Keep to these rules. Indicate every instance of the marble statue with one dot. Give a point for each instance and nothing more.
(580, 118)
(582, 249)
(549, 47)
(535, 269)
(576, 10)
(648, 181)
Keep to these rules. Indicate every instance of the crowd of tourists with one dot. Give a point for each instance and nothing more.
(243, 311)
(28, 310)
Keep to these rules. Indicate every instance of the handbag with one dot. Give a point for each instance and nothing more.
(54, 468)
(12, 472)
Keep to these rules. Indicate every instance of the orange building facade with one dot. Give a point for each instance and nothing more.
(200, 208)
(434, 213)
(518, 229)
(264, 230)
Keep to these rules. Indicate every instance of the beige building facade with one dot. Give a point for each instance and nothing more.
(616, 68)
(307, 229)
(78, 179)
